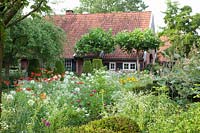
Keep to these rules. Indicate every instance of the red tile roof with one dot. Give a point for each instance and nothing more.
(76, 25)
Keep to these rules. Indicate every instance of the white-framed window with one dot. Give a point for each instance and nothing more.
(68, 65)
(112, 65)
(129, 66)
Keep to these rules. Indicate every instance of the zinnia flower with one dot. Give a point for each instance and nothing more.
(43, 96)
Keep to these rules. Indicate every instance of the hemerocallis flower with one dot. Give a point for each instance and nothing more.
(43, 96)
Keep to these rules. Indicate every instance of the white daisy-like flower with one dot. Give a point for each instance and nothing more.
(9, 97)
(31, 102)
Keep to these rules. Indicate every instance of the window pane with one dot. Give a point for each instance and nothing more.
(112, 66)
(68, 65)
(132, 66)
(126, 66)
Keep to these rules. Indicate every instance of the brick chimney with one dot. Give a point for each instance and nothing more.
(69, 12)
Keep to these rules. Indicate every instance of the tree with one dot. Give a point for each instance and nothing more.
(103, 6)
(181, 28)
(95, 42)
(33, 39)
(9, 16)
(137, 40)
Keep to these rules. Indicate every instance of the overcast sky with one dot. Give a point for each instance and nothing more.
(156, 6)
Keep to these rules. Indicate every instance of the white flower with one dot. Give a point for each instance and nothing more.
(32, 81)
(31, 102)
(87, 115)
(10, 97)
(78, 109)
(13, 92)
(77, 89)
(71, 73)
(40, 86)
(83, 74)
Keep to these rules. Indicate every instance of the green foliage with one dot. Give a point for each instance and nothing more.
(87, 66)
(99, 6)
(184, 121)
(137, 39)
(144, 109)
(59, 67)
(107, 125)
(181, 28)
(141, 83)
(182, 80)
(84, 129)
(95, 42)
(34, 38)
(117, 124)
(97, 64)
(34, 66)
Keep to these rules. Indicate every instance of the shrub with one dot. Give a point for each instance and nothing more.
(84, 129)
(97, 64)
(59, 67)
(34, 66)
(106, 125)
(87, 66)
(122, 124)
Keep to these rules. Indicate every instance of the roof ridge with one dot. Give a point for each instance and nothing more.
(130, 12)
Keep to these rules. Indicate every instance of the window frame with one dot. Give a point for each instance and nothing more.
(68, 68)
(110, 66)
(129, 66)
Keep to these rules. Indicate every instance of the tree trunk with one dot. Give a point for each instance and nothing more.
(138, 61)
(2, 35)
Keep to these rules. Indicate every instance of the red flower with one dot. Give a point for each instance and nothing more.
(38, 74)
(28, 89)
(7, 82)
(80, 82)
(32, 74)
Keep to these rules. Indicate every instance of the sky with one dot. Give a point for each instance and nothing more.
(156, 6)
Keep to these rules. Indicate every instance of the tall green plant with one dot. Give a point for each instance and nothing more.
(87, 66)
(59, 67)
(97, 64)
(181, 28)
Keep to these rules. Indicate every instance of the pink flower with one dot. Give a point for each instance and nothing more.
(94, 91)
(47, 124)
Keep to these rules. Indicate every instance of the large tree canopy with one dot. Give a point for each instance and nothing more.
(95, 42)
(33, 39)
(181, 28)
(103, 6)
(10, 14)
(137, 40)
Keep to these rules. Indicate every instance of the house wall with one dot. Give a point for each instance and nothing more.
(79, 66)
